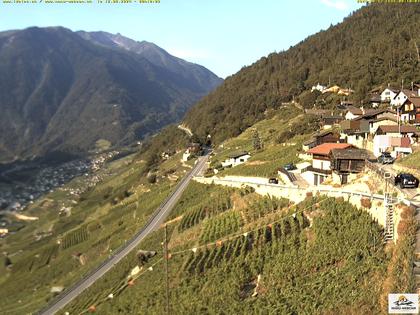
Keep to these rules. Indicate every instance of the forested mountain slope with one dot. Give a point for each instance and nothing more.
(60, 92)
(377, 44)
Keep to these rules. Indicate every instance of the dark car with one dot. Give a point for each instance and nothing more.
(386, 158)
(405, 180)
(273, 181)
(290, 167)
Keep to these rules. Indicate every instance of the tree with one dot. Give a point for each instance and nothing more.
(256, 140)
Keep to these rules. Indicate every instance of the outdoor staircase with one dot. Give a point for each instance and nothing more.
(389, 223)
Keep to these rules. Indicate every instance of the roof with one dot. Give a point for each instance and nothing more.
(391, 89)
(397, 129)
(375, 98)
(325, 148)
(318, 134)
(409, 93)
(333, 118)
(370, 113)
(351, 154)
(238, 155)
(354, 110)
(414, 100)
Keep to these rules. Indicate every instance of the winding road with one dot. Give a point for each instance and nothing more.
(154, 222)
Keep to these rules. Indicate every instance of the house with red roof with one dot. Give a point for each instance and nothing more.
(320, 169)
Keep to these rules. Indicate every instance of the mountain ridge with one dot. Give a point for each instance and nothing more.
(64, 93)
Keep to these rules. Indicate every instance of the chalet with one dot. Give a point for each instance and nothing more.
(373, 114)
(375, 100)
(384, 121)
(355, 132)
(388, 94)
(402, 96)
(320, 169)
(330, 120)
(399, 131)
(236, 159)
(321, 137)
(378, 117)
(345, 163)
(353, 112)
(409, 111)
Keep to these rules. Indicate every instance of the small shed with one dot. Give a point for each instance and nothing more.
(348, 161)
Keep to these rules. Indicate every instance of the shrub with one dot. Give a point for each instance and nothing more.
(366, 203)
(151, 179)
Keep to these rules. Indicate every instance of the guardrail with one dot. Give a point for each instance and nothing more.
(45, 309)
(316, 189)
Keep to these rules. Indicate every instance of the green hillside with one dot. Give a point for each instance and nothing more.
(328, 257)
(80, 224)
(376, 45)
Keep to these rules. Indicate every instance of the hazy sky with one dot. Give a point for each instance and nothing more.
(222, 35)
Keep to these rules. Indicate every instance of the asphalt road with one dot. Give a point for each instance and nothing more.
(410, 193)
(155, 221)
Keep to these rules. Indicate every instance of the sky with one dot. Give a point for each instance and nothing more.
(222, 35)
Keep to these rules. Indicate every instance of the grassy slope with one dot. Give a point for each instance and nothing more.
(303, 269)
(101, 220)
(412, 161)
(274, 155)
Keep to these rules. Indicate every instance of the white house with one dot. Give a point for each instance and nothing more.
(388, 94)
(318, 87)
(394, 138)
(236, 159)
(402, 96)
(186, 156)
(353, 112)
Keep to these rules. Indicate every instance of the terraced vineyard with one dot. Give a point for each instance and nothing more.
(58, 249)
(219, 226)
(323, 250)
(75, 237)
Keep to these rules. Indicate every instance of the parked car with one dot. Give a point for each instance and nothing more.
(290, 167)
(386, 158)
(273, 180)
(405, 180)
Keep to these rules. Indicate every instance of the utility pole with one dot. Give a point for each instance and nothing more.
(166, 269)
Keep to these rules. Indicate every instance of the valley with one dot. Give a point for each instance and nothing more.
(136, 182)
